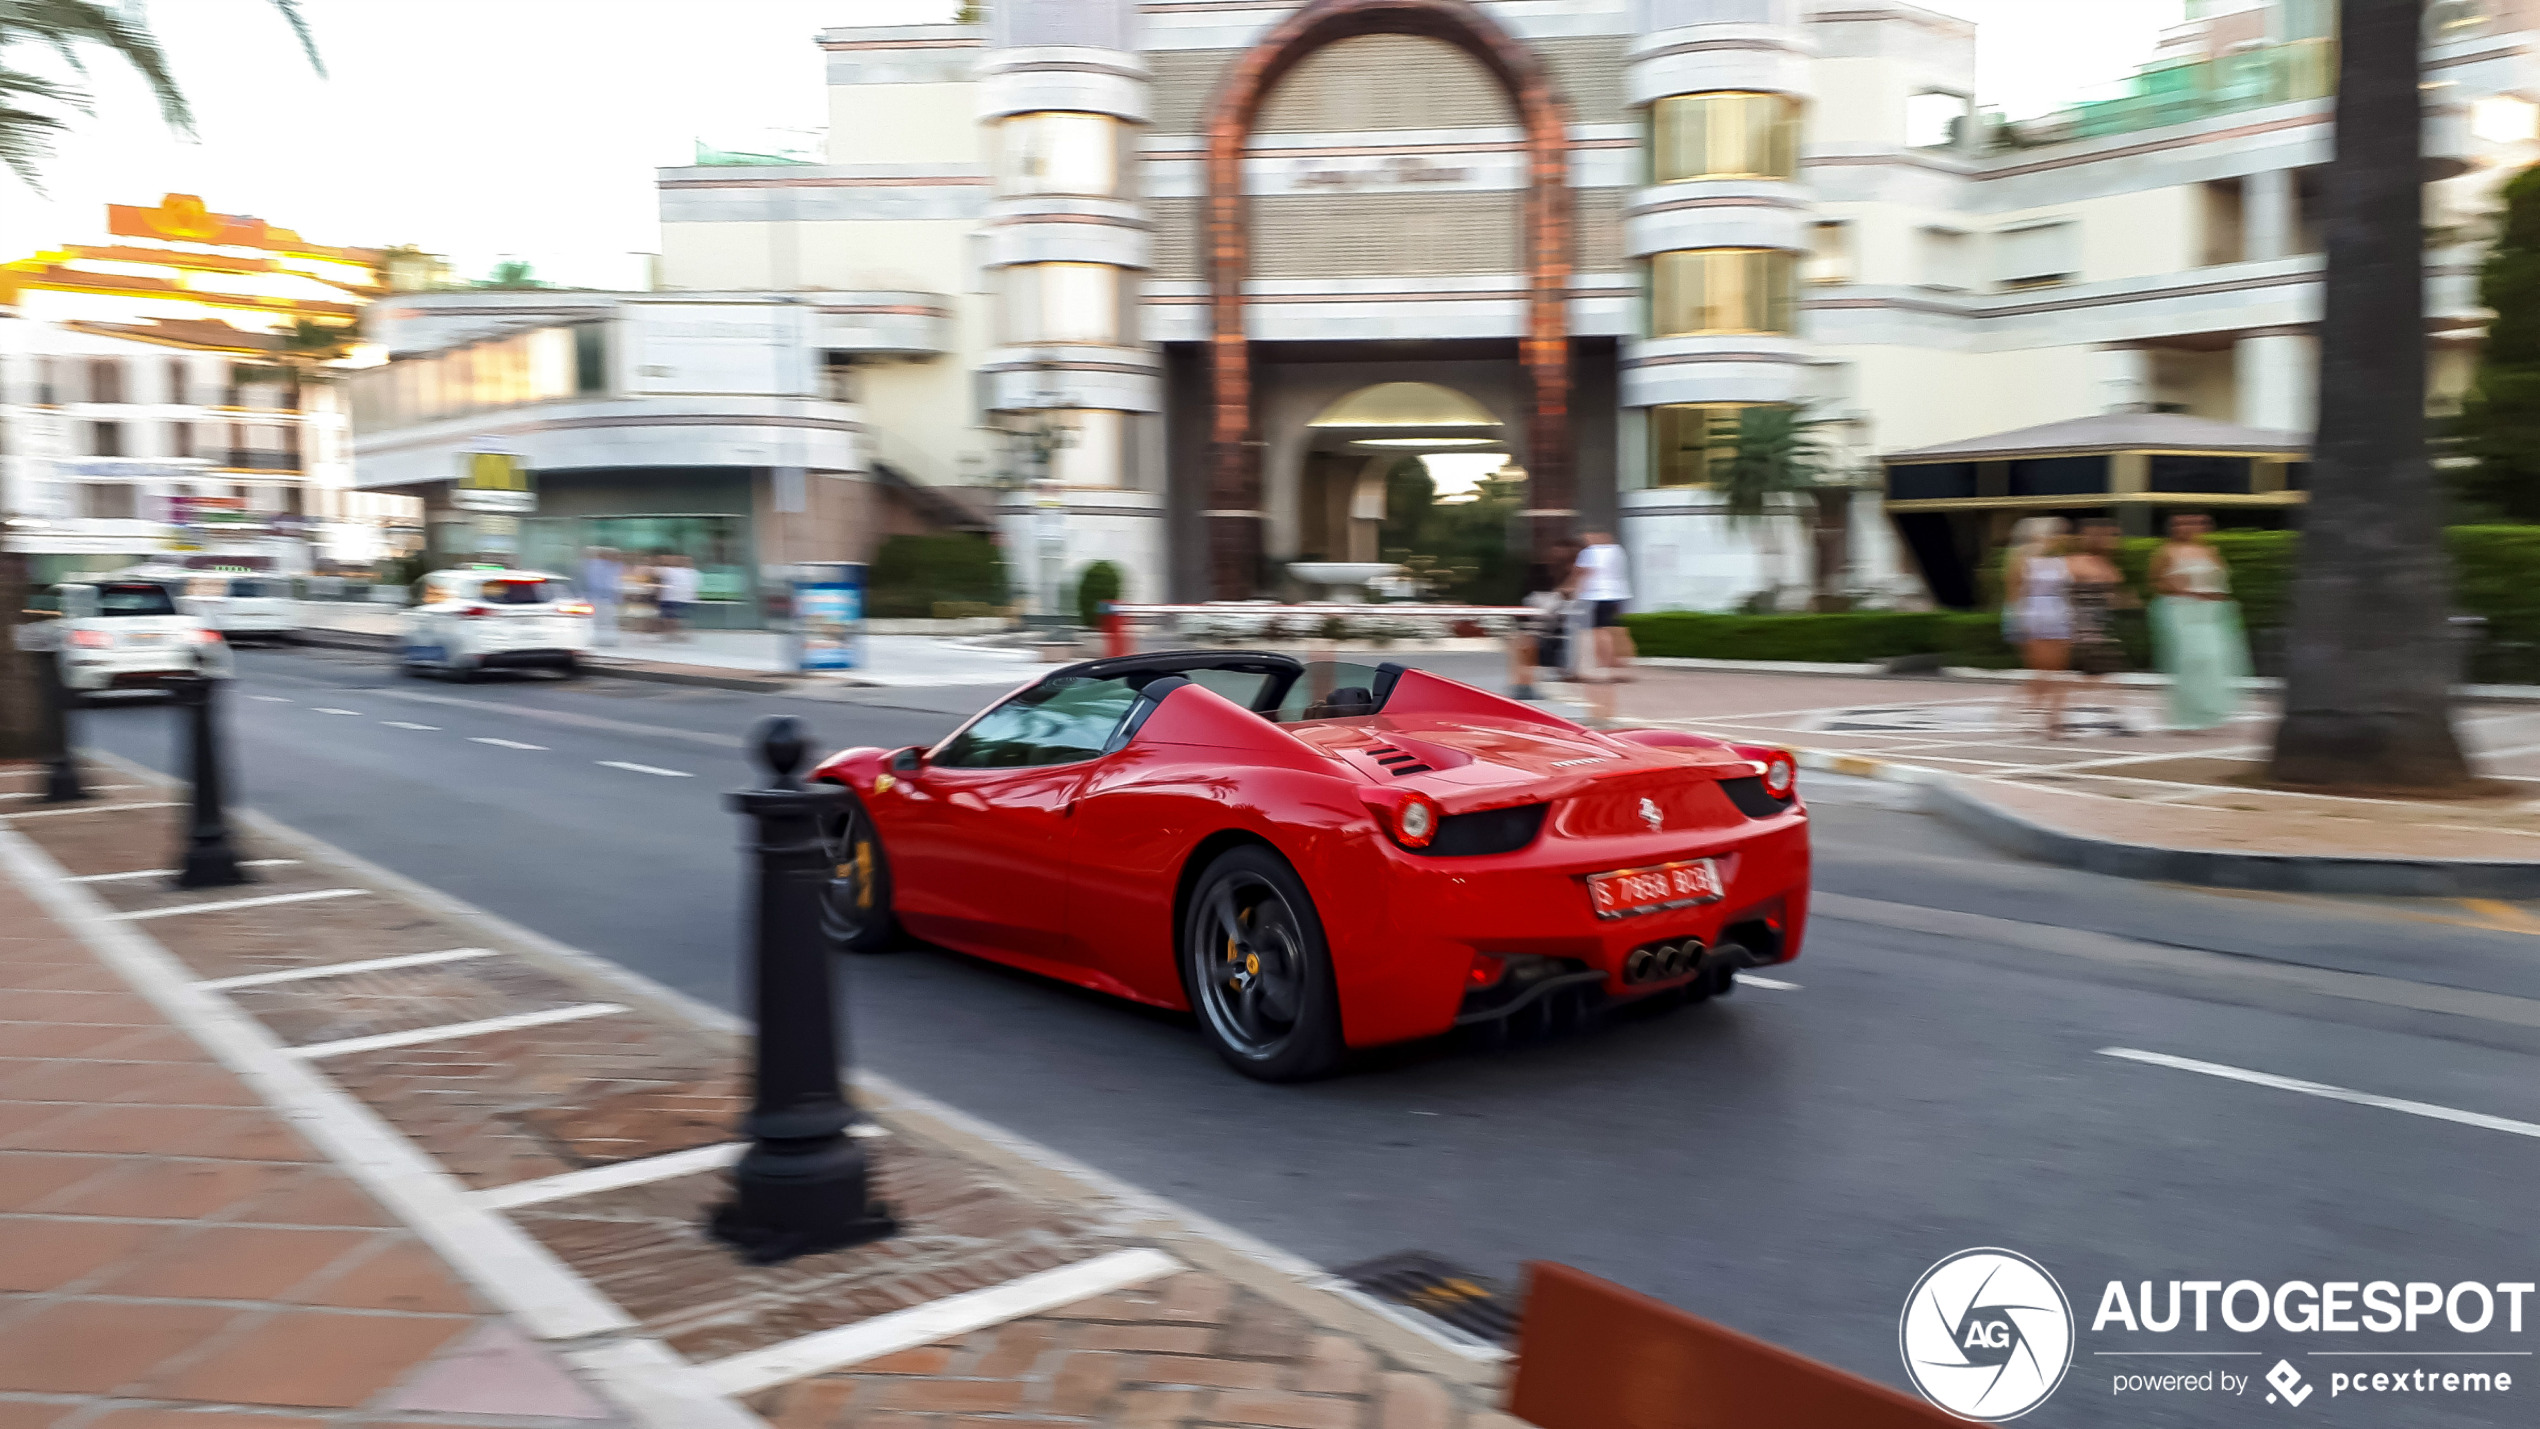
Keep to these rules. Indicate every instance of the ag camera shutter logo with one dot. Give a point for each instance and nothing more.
(1987, 1334)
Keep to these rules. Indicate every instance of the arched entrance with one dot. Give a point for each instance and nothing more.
(1352, 443)
(1235, 513)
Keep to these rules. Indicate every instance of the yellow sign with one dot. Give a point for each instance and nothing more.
(493, 481)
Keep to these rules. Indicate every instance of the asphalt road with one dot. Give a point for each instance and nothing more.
(1785, 1161)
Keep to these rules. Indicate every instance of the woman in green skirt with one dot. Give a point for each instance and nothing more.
(2196, 634)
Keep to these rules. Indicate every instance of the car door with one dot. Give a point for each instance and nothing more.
(980, 835)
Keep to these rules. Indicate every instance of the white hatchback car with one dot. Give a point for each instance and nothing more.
(127, 635)
(241, 606)
(466, 621)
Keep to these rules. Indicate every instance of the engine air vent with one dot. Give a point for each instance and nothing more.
(1398, 762)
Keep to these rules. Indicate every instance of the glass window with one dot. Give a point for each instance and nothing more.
(1330, 689)
(1062, 302)
(1727, 135)
(134, 598)
(1059, 153)
(1681, 435)
(523, 592)
(1058, 721)
(1244, 687)
(1707, 290)
(718, 546)
(105, 379)
(1829, 252)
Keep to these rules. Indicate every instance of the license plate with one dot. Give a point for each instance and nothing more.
(1629, 892)
(142, 637)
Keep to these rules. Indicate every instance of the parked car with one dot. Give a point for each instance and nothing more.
(1317, 857)
(241, 606)
(463, 622)
(117, 635)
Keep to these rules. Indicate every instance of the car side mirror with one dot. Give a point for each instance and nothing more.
(907, 760)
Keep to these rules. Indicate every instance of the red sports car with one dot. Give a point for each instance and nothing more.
(1315, 857)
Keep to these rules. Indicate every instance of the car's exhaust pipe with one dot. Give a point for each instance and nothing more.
(1636, 968)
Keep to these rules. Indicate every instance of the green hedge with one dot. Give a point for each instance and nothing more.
(911, 575)
(2495, 574)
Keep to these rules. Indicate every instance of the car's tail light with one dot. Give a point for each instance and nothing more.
(472, 612)
(1414, 820)
(1776, 767)
(574, 607)
(92, 639)
(1485, 971)
(207, 637)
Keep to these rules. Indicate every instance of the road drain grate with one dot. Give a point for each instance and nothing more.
(1473, 1306)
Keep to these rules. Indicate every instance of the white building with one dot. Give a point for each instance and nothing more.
(150, 404)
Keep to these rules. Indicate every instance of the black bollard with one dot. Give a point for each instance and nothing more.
(61, 774)
(801, 1187)
(209, 861)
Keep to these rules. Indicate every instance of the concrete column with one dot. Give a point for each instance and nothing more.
(2274, 376)
(2269, 225)
(2124, 378)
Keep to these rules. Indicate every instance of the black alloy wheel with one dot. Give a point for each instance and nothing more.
(1258, 970)
(855, 907)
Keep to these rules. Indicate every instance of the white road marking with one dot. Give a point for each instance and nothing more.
(364, 965)
(1748, 979)
(754, 1370)
(595, 1179)
(267, 901)
(93, 789)
(645, 769)
(93, 809)
(450, 1031)
(171, 872)
(501, 743)
(407, 724)
(324, 709)
(271, 699)
(2322, 1089)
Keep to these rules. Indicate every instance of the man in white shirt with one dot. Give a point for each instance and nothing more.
(678, 596)
(1605, 586)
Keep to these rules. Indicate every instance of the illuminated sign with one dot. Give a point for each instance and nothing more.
(493, 481)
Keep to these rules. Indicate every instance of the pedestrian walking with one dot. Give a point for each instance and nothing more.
(2037, 604)
(639, 591)
(678, 596)
(2097, 592)
(603, 579)
(1605, 584)
(2197, 638)
(1539, 640)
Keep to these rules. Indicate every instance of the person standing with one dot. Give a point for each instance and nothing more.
(602, 581)
(1538, 639)
(2037, 590)
(2196, 635)
(638, 588)
(2098, 592)
(1605, 583)
(678, 596)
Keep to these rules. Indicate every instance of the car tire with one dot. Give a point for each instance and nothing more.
(1258, 970)
(855, 902)
(570, 668)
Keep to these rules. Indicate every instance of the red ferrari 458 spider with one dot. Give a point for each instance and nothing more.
(1315, 857)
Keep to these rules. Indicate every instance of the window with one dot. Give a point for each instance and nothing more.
(1095, 450)
(1947, 259)
(523, 592)
(1062, 302)
(1829, 253)
(1244, 687)
(46, 394)
(105, 379)
(181, 439)
(1058, 721)
(1331, 689)
(1058, 153)
(1728, 135)
(1707, 290)
(1935, 120)
(102, 501)
(105, 439)
(1680, 440)
(134, 598)
(2037, 254)
(179, 384)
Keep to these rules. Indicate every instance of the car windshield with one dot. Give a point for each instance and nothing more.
(134, 598)
(516, 590)
(250, 588)
(1058, 721)
(1329, 689)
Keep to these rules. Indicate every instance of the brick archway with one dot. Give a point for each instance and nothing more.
(1234, 512)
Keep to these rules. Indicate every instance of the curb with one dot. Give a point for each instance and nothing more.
(1196, 1239)
(2223, 868)
(602, 666)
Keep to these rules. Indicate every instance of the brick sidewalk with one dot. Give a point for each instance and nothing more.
(623, 1082)
(168, 1243)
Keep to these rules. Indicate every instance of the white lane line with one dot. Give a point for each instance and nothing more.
(364, 965)
(1748, 979)
(407, 724)
(501, 743)
(2322, 1089)
(271, 699)
(93, 809)
(92, 788)
(267, 901)
(645, 769)
(450, 1031)
(754, 1370)
(326, 709)
(171, 872)
(592, 1180)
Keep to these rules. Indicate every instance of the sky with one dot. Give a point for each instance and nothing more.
(493, 129)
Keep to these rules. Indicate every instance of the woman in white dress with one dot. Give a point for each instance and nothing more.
(2038, 613)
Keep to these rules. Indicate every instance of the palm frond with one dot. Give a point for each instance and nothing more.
(26, 138)
(300, 30)
(65, 25)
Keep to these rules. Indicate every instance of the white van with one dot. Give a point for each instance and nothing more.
(126, 635)
(466, 621)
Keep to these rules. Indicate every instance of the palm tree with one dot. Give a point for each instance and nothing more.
(2368, 656)
(1765, 453)
(66, 27)
(308, 347)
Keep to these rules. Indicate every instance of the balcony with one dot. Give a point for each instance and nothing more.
(2182, 93)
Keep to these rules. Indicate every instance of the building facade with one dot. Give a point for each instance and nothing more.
(1205, 269)
(153, 402)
